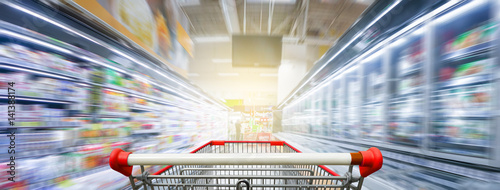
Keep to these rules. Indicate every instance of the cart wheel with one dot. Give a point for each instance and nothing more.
(238, 185)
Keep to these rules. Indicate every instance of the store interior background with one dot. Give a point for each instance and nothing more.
(151, 102)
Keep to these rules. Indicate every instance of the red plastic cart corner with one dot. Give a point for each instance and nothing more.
(118, 162)
(372, 161)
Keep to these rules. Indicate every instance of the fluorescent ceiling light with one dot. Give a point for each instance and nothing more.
(228, 74)
(193, 74)
(211, 39)
(269, 74)
(222, 60)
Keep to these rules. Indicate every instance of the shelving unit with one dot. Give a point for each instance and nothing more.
(130, 108)
(441, 98)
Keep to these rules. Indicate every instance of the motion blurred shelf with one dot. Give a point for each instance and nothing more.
(467, 80)
(39, 100)
(463, 53)
(440, 99)
(414, 69)
(131, 107)
(18, 65)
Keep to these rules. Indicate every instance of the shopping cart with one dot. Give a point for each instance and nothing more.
(253, 164)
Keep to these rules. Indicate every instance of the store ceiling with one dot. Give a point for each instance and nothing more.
(325, 20)
(215, 21)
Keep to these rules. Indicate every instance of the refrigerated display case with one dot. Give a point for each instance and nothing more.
(335, 113)
(441, 83)
(462, 99)
(319, 115)
(352, 103)
(406, 111)
(374, 86)
(316, 117)
(325, 104)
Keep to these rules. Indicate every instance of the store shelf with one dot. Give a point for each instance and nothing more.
(139, 94)
(373, 102)
(38, 100)
(467, 114)
(411, 70)
(41, 127)
(145, 119)
(34, 154)
(469, 152)
(47, 152)
(142, 108)
(463, 145)
(33, 68)
(467, 80)
(378, 84)
(456, 55)
(146, 131)
(411, 91)
(114, 115)
(416, 117)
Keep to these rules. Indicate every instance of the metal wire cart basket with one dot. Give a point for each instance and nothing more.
(250, 164)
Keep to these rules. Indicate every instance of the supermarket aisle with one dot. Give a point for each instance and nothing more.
(417, 78)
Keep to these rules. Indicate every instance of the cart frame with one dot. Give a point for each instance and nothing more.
(236, 164)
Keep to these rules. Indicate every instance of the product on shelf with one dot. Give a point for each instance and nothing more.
(478, 35)
(114, 78)
(114, 103)
(410, 82)
(41, 87)
(459, 131)
(468, 69)
(468, 98)
(411, 55)
(38, 115)
(40, 60)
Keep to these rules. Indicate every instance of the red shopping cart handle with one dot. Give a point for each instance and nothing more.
(372, 161)
(118, 162)
(369, 161)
